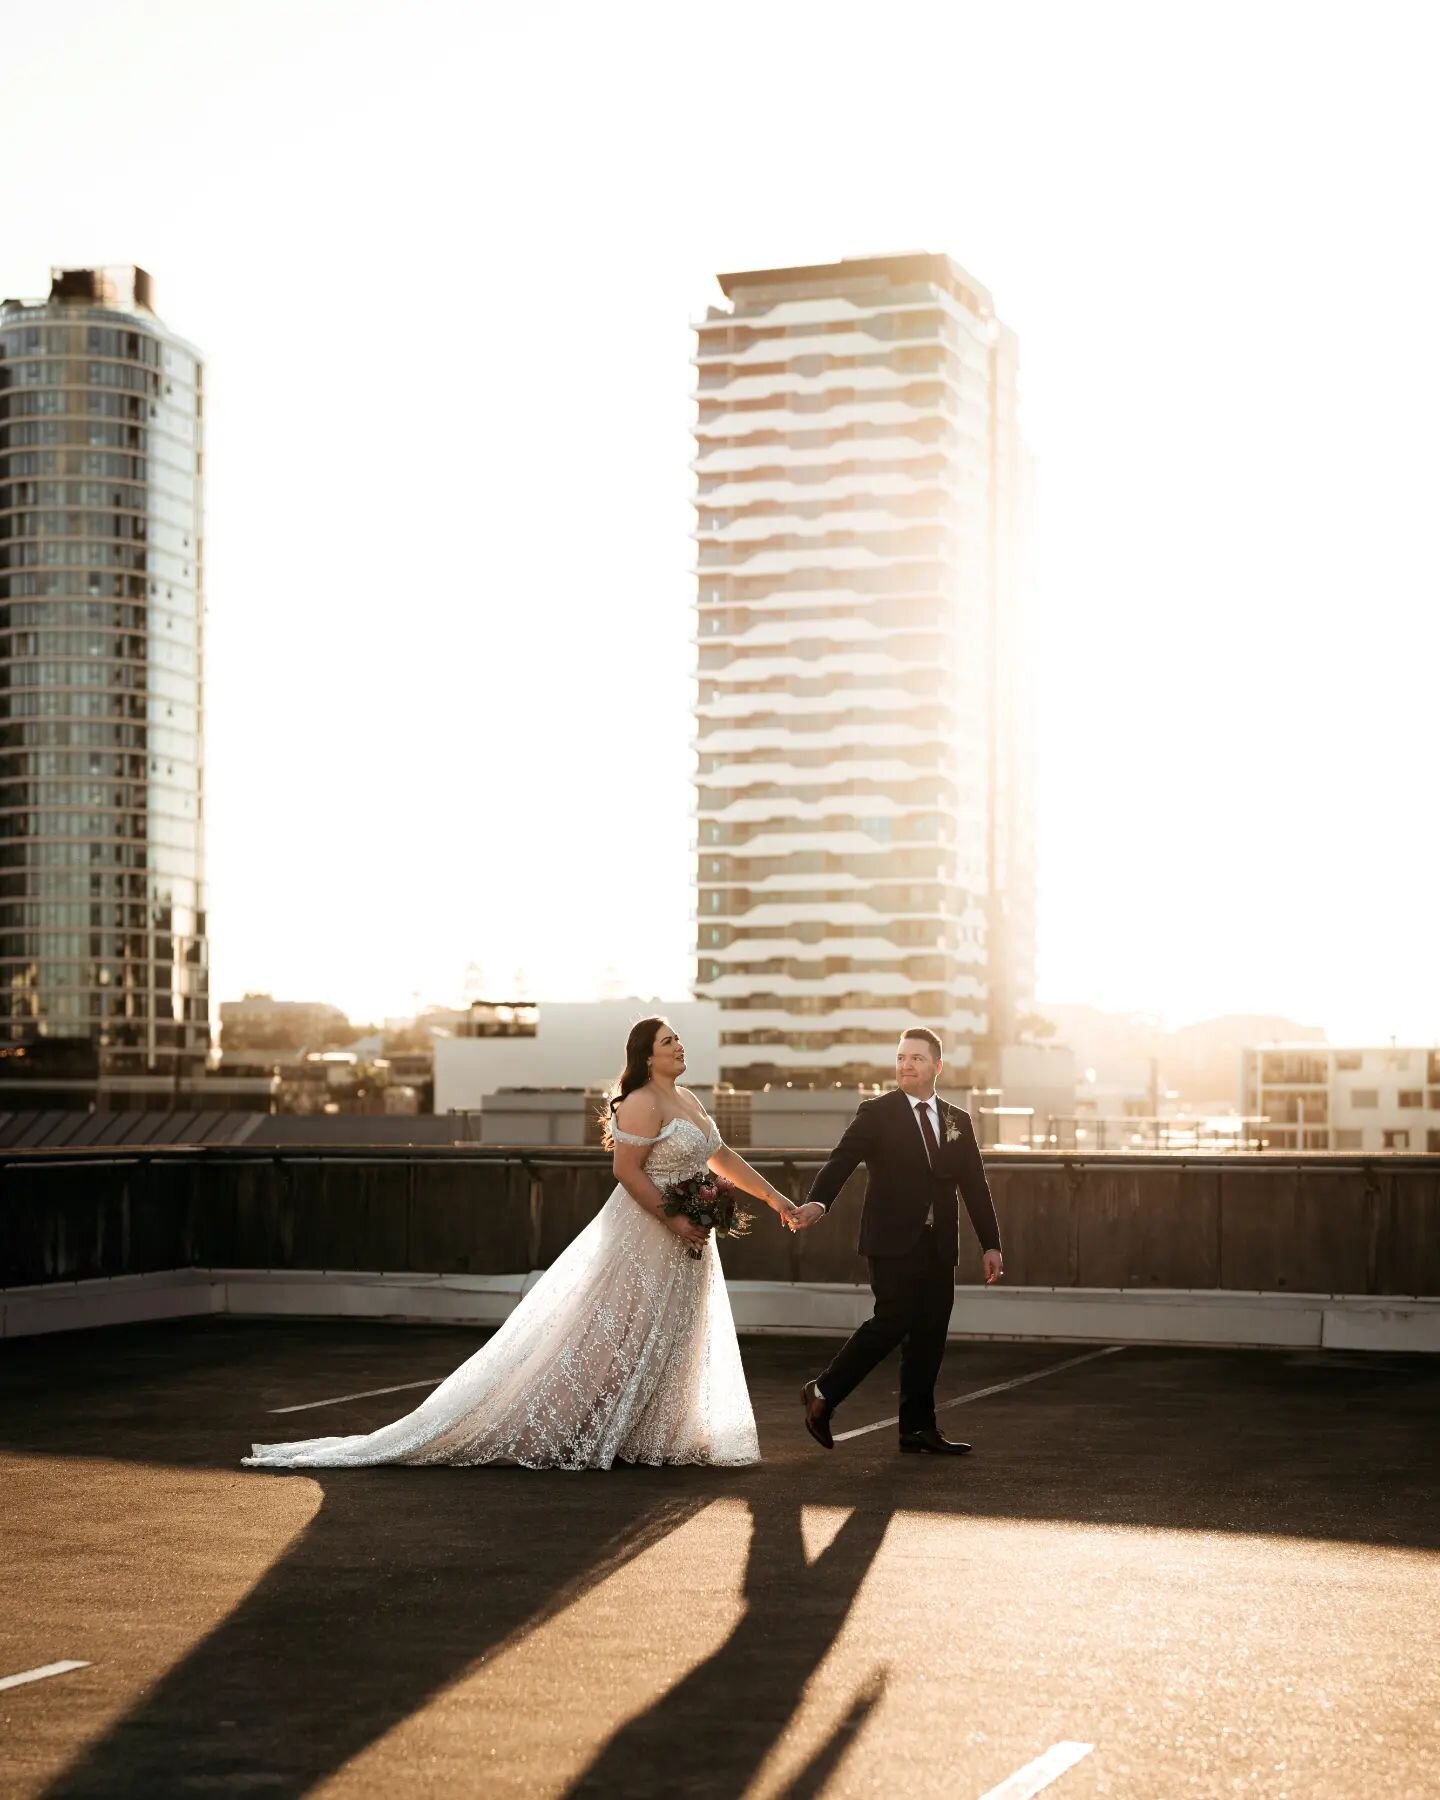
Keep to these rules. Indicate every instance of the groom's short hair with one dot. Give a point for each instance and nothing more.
(926, 1035)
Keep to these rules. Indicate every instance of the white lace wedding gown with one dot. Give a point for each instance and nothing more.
(624, 1348)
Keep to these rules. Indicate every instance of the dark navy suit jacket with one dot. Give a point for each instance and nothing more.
(902, 1187)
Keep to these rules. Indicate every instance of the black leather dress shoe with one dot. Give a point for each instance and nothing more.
(817, 1416)
(930, 1442)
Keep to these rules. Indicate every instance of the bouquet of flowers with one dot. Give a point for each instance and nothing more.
(708, 1201)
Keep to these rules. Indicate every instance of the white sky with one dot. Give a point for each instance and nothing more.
(442, 261)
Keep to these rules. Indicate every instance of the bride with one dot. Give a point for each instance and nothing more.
(625, 1347)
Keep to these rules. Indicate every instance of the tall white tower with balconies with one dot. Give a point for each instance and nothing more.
(864, 843)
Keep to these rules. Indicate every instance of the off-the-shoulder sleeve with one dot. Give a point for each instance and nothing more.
(628, 1137)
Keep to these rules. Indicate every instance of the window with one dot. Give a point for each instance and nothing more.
(1294, 1069)
(1435, 1099)
(1349, 1140)
(1365, 1097)
(1397, 1140)
(1432, 1142)
(1412, 1096)
(1348, 1059)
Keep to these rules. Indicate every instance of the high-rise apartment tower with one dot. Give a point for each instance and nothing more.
(103, 962)
(865, 856)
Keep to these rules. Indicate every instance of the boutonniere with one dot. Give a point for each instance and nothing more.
(952, 1131)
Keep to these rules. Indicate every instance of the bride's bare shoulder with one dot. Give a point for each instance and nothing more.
(639, 1114)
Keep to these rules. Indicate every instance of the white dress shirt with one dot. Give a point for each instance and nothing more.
(932, 1106)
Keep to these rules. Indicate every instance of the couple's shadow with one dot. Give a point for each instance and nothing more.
(405, 1579)
(726, 1715)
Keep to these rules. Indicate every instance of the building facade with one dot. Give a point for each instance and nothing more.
(864, 843)
(103, 955)
(1319, 1097)
(561, 1044)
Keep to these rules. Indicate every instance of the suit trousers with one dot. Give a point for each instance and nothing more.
(913, 1297)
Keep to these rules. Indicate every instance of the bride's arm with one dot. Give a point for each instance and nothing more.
(638, 1115)
(734, 1168)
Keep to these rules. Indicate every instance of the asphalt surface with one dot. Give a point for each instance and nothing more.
(1217, 1568)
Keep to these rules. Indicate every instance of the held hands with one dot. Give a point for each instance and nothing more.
(994, 1267)
(797, 1218)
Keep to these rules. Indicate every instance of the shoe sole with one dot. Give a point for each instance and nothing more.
(925, 1450)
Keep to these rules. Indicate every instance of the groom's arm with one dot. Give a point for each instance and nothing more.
(975, 1189)
(845, 1158)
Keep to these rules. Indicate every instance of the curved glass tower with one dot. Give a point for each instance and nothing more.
(103, 976)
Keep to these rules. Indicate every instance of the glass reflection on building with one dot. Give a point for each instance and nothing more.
(103, 955)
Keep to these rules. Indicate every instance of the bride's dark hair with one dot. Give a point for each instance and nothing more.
(639, 1047)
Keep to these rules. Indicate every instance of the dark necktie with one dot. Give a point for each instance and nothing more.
(927, 1131)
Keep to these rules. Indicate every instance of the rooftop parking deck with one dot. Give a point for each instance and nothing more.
(1214, 1568)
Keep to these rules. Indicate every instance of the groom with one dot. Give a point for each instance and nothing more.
(917, 1150)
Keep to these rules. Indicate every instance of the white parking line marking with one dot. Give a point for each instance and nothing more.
(1070, 1362)
(1040, 1773)
(57, 1668)
(367, 1394)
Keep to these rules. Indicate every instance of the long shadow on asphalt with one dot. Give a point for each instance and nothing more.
(406, 1578)
(794, 1612)
(345, 1637)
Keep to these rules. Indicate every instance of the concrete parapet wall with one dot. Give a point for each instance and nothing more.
(1313, 1225)
(794, 1309)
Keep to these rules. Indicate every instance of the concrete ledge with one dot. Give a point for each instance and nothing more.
(114, 1300)
(1115, 1315)
(316, 1293)
(828, 1308)
(1080, 1315)
(1383, 1325)
(1148, 1316)
(259, 1293)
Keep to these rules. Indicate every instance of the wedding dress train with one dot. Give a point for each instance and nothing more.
(625, 1348)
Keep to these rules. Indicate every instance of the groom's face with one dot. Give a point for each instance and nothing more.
(916, 1066)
